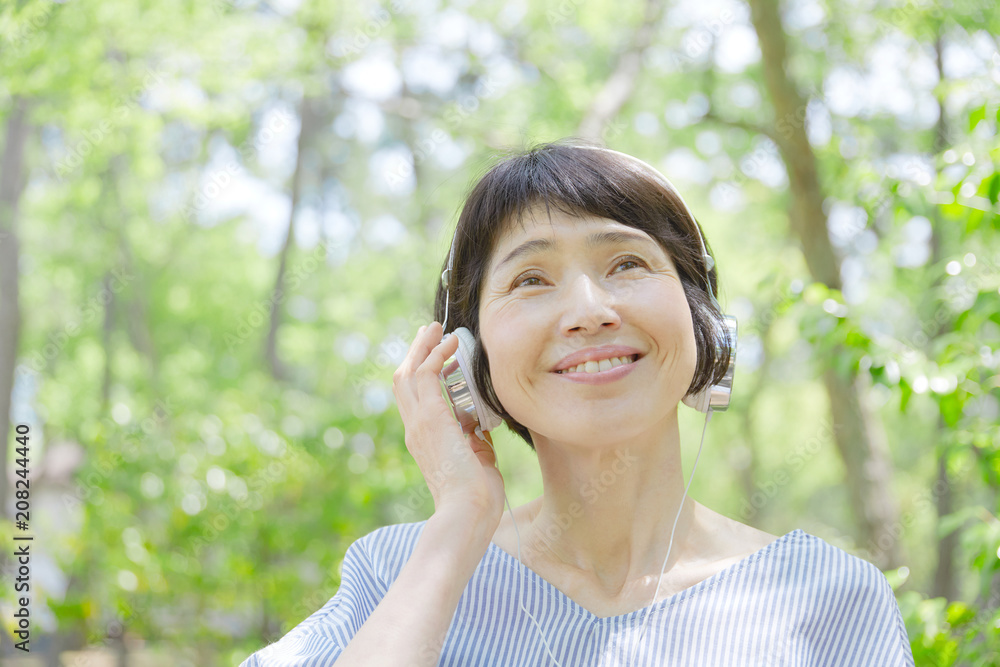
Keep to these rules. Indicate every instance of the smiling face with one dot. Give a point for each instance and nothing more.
(566, 290)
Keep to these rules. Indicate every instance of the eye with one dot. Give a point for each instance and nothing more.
(629, 259)
(522, 281)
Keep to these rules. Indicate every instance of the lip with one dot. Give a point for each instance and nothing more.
(595, 354)
(602, 377)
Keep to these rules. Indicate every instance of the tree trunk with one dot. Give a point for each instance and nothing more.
(108, 330)
(857, 435)
(12, 183)
(945, 584)
(863, 448)
(308, 122)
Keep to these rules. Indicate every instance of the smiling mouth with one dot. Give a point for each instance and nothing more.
(602, 365)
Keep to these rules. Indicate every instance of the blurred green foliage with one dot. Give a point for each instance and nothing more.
(193, 496)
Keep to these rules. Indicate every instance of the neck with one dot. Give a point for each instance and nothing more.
(609, 505)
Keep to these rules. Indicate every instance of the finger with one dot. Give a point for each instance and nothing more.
(426, 340)
(439, 351)
(428, 374)
(412, 386)
(418, 351)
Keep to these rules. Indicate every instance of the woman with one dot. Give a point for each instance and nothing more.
(581, 275)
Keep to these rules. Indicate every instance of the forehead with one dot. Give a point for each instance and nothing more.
(546, 227)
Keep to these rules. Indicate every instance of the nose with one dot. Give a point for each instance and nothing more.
(589, 307)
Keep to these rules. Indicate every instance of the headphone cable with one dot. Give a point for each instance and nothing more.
(642, 629)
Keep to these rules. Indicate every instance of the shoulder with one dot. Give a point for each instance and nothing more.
(850, 599)
(392, 538)
(385, 550)
(831, 575)
(796, 560)
(825, 558)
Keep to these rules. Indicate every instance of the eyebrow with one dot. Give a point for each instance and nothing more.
(595, 240)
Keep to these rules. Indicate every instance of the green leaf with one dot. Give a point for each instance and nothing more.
(994, 189)
(960, 613)
(976, 116)
(905, 391)
(951, 408)
(974, 221)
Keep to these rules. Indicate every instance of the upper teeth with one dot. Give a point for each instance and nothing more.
(598, 366)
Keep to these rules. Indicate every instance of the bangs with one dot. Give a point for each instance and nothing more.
(579, 183)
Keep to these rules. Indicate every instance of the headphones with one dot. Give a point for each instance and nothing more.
(472, 412)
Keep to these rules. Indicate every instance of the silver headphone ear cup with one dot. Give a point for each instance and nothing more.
(469, 407)
(717, 396)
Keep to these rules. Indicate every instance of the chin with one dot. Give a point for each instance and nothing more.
(596, 429)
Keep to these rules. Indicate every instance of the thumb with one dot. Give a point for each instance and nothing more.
(483, 448)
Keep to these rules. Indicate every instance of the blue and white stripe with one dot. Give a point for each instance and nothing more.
(798, 601)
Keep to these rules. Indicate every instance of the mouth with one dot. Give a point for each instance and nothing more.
(594, 367)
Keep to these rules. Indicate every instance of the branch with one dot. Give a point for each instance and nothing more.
(742, 124)
(619, 86)
(709, 87)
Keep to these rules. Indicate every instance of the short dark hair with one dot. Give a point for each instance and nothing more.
(572, 177)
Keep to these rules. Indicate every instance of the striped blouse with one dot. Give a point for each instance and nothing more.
(797, 601)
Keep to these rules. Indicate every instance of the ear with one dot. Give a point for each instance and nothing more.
(699, 401)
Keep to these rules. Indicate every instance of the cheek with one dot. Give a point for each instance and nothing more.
(497, 347)
(679, 340)
(508, 344)
(689, 350)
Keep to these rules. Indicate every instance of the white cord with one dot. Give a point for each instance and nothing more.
(708, 415)
(520, 565)
(670, 544)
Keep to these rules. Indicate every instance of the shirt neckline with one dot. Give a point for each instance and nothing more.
(677, 597)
